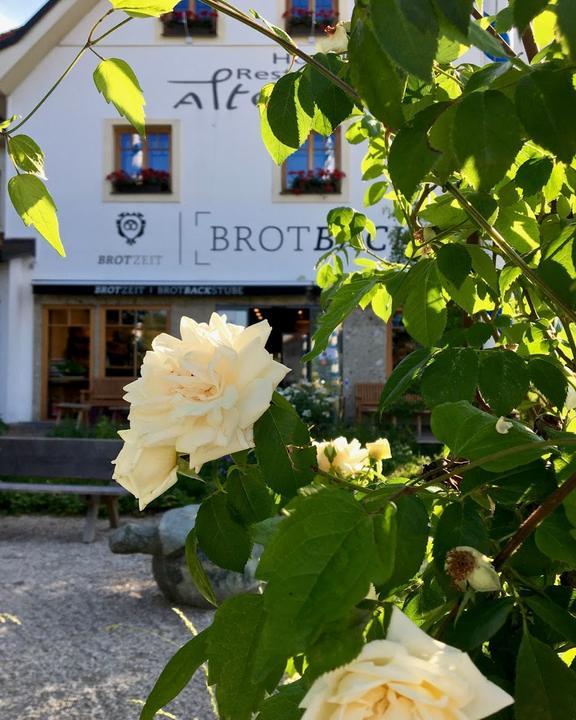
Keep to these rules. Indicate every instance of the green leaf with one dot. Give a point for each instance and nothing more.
(344, 300)
(451, 376)
(411, 159)
(425, 308)
(457, 12)
(546, 104)
(285, 704)
(545, 686)
(486, 136)
(526, 10)
(248, 496)
(460, 524)
(196, 569)
(533, 175)
(412, 48)
(549, 379)
(412, 531)
(471, 433)
(558, 265)
(332, 102)
(557, 617)
(310, 579)
(232, 647)
(504, 380)
(279, 152)
(282, 34)
(26, 155)
(385, 535)
(484, 41)
(117, 82)
(338, 646)
(220, 535)
(177, 674)
(519, 227)
(566, 11)
(35, 205)
(144, 8)
(479, 623)
(555, 538)
(288, 121)
(283, 448)
(402, 377)
(454, 263)
(382, 91)
(483, 265)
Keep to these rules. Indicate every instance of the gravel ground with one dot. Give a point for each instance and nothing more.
(85, 632)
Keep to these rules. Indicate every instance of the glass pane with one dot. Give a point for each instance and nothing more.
(159, 151)
(297, 164)
(324, 153)
(235, 316)
(127, 317)
(58, 317)
(68, 351)
(112, 317)
(300, 4)
(324, 7)
(119, 352)
(203, 9)
(80, 317)
(182, 5)
(131, 154)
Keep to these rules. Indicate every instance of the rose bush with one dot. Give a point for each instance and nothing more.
(408, 676)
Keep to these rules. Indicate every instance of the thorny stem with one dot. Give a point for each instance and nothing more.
(532, 522)
(511, 255)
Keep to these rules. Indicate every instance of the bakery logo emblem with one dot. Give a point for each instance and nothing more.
(130, 226)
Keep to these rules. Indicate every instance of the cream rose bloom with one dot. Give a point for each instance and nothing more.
(335, 39)
(379, 449)
(342, 457)
(408, 676)
(200, 395)
(146, 472)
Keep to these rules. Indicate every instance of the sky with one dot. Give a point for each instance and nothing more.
(14, 13)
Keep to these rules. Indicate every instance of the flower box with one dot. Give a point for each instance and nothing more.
(148, 181)
(299, 21)
(182, 23)
(315, 182)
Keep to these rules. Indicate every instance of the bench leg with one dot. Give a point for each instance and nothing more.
(91, 516)
(112, 508)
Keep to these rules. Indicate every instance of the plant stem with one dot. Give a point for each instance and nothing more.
(293, 49)
(512, 256)
(87, 46)
(534, 520)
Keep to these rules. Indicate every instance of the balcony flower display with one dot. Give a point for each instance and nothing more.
(147, 181)
(182, 22)
(299, 20)
(315, 182)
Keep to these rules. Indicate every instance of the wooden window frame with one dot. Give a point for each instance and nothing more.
(118, 131)
(285, 190)
(103, 326)
(305, 29)
(45, 361)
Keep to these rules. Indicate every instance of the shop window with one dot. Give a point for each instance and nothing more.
(314, 169)
(190, 17)
(310, 17)
(142, 165)
(128, 334)
(67, 355)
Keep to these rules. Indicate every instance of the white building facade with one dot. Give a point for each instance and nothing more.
(192, 219)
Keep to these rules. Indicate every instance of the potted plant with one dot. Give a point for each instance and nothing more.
(147, 181)
(316, 182)
(299, 21)
(188, 22)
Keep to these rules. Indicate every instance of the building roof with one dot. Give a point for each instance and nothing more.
(17, 247)
(13, 36)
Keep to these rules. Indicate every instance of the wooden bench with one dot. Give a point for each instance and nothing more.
(81, 459)
(367, 398)
(107, 393)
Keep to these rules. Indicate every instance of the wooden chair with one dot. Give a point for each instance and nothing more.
(108, 393)
(367, 398)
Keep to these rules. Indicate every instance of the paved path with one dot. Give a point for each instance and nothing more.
(92, 630)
